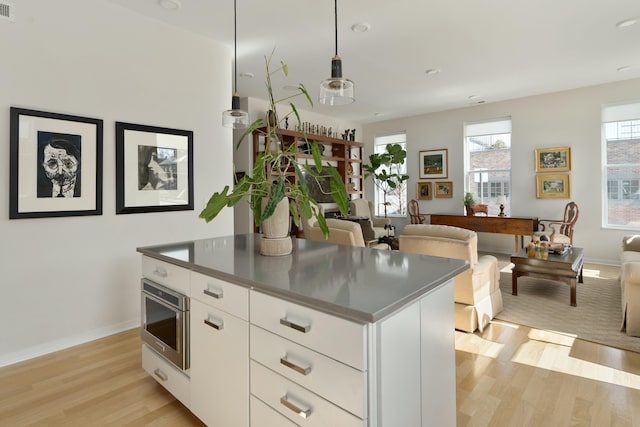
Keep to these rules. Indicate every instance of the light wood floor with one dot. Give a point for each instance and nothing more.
(507, 376)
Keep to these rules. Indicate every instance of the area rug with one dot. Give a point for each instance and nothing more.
(544, 304)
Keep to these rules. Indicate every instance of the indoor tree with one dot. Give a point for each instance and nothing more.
(387, 171)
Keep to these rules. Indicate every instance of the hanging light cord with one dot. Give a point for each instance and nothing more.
(336, 24)
(235, 48)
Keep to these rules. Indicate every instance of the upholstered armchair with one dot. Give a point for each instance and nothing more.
(630, 285)
(341, 231)
(477, 294)
(375, 227)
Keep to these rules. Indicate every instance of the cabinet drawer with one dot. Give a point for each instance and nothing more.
(297, 403)
(233, 299)
(166, 274)
(175, 381)
(263, 416)
(335, 381)
(332, 336)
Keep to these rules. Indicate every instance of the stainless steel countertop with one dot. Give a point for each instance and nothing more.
(359, 284)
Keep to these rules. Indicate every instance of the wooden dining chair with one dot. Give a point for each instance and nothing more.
(560, 230)
(414, 213)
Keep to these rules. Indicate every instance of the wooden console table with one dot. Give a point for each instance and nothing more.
(518, 226)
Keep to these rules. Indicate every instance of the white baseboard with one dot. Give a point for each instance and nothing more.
(61, 344)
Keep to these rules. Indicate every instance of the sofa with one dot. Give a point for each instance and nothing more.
(477, 297)
(630, 285)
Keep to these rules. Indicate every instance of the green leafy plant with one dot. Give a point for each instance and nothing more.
(468, 199)
(275, 168)
(386, 170)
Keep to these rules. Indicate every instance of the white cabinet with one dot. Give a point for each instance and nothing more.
(262, 361)
(219, 366)
(174, 380)
(318, 369)
(219, 351)
(338, 338)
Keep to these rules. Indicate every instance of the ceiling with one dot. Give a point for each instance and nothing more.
(485, 50)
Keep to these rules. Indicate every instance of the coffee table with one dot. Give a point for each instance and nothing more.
(566, 268)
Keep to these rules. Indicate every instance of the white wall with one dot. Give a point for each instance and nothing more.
(570, 118)
(68, 280)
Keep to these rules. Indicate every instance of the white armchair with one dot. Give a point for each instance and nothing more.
(477, 294)
(341, 231)
(375, 227)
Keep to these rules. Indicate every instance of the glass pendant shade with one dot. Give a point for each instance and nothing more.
(336, 90)
(235, 117)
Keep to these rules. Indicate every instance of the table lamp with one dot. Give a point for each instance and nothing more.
(501, 200)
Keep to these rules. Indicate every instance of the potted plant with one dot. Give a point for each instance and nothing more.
(387, 172)
(471, 207)
(272, 187)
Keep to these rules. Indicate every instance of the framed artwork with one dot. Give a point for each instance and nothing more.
(423, 191)
(154, 169)
(553, 186)
(443, 189)
(434, 164)
(55, 165)
(553, 159)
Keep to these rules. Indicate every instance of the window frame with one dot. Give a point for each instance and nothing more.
(616, 185)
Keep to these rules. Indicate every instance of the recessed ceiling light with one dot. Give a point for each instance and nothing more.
(360, 27)
(432, 71)
(473, 96)
(170, 4)
(246, 75)
(625, 68)
(378, 114)
(627, 22)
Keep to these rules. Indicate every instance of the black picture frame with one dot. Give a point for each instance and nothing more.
(55, 164)
(154, 169)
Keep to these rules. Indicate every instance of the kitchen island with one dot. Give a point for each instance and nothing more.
(328, 335)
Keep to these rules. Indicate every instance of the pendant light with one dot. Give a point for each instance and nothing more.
(336, 90)
(235, 117)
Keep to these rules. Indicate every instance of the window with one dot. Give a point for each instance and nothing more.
(398, 197)
(621, 158)
(488, 162)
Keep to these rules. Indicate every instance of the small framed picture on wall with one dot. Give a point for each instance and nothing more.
(443, 189)
(553, 186)
(423, 191)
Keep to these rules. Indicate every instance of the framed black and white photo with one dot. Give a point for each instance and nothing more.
(154, 169)
(55, 165)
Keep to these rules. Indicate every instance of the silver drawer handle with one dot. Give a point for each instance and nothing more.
(304, 413)
(159, 271)
(214, 294)
(215, 325)
(290, 324)
(158, 373)
(304, 371)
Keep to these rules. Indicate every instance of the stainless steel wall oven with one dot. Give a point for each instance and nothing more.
(165, 322)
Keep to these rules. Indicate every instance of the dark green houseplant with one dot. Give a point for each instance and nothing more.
(274, 168)
(386, 171)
